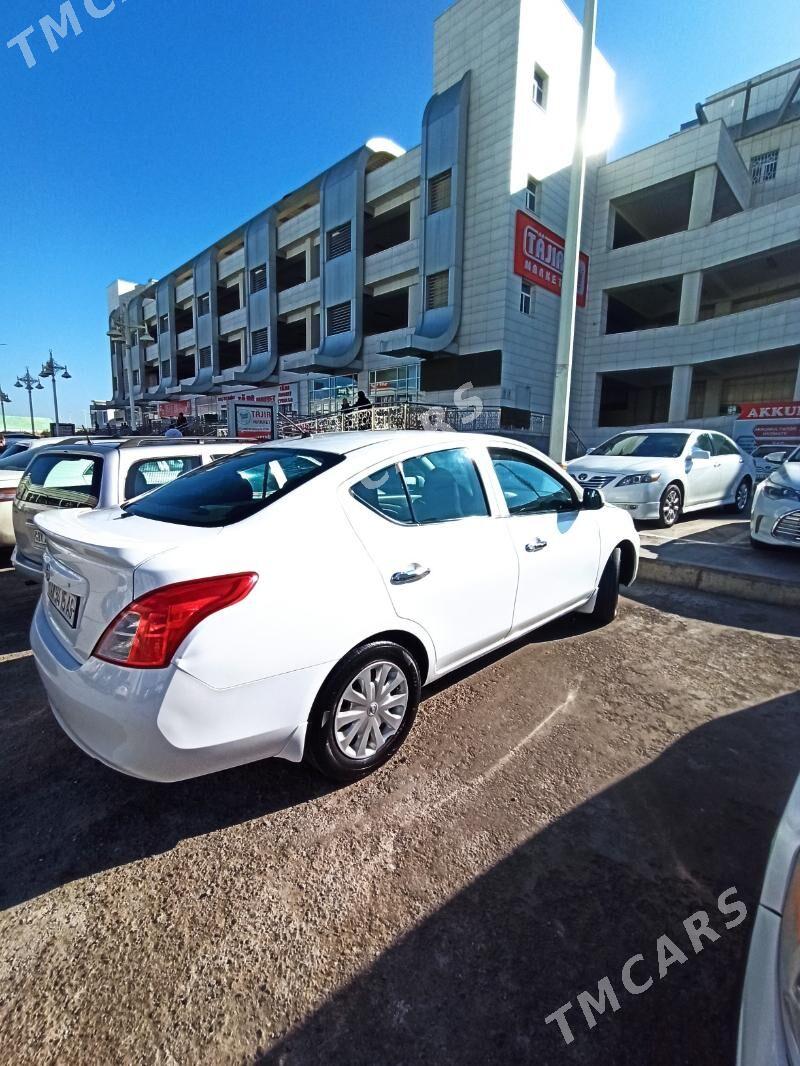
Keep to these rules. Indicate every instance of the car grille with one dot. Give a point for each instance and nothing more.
(597, 481)
(788, 526)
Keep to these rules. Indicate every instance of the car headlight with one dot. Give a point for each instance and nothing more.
(781, 492)
(789, 963)
(640, 479)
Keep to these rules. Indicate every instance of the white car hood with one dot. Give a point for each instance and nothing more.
(624, 464)
(787, 475)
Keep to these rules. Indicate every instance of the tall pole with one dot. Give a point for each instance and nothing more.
(29, 387)
(3, 401)
(51, 365)
(559, 419)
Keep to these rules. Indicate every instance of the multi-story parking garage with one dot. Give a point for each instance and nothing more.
(410, 274)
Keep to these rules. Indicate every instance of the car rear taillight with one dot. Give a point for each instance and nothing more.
(7, 494)
(148, 632)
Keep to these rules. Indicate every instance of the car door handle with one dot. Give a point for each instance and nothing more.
(536, 545)
(415, 572)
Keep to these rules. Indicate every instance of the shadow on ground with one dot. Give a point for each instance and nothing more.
(475, 981)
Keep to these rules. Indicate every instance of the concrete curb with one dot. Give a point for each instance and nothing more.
(723, 582)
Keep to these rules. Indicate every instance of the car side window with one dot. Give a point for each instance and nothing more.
(385, 492)
(527, 487)
(150, 473)
(443, 486)
(724, 446)
(705, 442)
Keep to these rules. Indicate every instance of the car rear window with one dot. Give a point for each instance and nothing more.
(61, 480)
(150, 473)
(232, 488)
(16, 458)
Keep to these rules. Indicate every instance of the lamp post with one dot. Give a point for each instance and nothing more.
(124, 334)
(49, 370)
(29, 383)
(4, 399)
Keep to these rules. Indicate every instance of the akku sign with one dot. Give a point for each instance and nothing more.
(539, 257)
(762, 411)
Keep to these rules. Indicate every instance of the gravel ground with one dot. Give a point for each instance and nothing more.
(553, 813)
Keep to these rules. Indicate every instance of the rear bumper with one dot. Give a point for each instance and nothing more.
(164, 725)
(25, 567)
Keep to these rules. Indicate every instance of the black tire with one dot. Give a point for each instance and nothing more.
(670, 506)
(324, 742)
(741, 501)
(605, 607)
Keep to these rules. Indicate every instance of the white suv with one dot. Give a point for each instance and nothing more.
(100, 474)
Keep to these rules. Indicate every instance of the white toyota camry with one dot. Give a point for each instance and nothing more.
(775, 518)
(293, 599)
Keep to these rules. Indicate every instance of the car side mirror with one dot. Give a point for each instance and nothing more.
(774, 457)
(593, 500)
(700, 453)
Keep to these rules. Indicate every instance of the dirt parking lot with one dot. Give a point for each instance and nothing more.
(554, 812)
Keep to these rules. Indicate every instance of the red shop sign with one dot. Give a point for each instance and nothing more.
(539, 257)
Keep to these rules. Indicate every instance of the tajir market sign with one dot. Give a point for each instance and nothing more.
(539, 257)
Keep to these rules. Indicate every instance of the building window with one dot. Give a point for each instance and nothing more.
(258, 278)
(531, 195)
(394, 385)
(437, 290)
(526, 299)
(440, 192)
(165, 369)
(163, 324)
(339, 241)
(540, 81)
(259, 341)
(136, 377)
(204, 358)
(338, 319)
(203, 305)
(764, 166)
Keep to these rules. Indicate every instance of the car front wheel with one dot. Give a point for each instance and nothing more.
(670, 506)
(364, 711)
(605, 606)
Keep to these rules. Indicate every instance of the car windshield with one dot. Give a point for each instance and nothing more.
(232, 488)
(794, 457)
(646, 445)
(16, 458)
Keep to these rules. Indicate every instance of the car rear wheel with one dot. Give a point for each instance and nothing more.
(741, 499)
(364, 711)
(605, 607)
(670, 505)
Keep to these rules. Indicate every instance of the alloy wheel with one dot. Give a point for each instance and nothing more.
(671, 506)
(371, 710)
(742, 496)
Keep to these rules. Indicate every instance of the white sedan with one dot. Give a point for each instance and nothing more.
(775, 518)
(660, 474)
(293, 599)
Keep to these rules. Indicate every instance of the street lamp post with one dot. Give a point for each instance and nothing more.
(4, 399)
(124, 334)
(29, 383)
(49, 370)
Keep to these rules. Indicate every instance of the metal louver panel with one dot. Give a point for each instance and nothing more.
(439, 192)
(338, 319)
(259, 341)
(437, 288)
(339, 242)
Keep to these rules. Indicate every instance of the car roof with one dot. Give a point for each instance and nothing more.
(157, 445)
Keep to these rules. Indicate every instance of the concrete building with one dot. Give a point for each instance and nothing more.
(412, 274)
(694, 296)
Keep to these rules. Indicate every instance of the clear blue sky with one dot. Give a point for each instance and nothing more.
(166, 124)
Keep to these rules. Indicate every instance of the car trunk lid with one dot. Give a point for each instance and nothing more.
(90, 559)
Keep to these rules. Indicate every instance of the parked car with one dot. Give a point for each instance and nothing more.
(769, 1021)
(292, 600)
(660, 474)
(767, 457)
(15, 457)
(775, 518)
(98, 474)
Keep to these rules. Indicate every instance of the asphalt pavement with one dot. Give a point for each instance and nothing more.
(555, 811)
